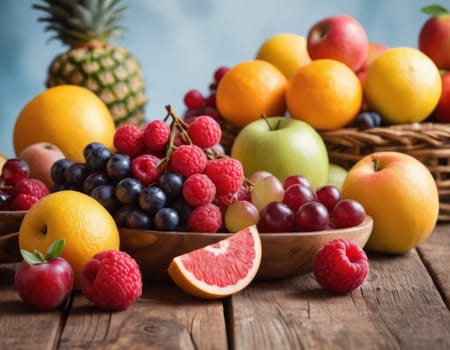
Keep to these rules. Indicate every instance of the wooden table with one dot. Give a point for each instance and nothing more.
(403, 304)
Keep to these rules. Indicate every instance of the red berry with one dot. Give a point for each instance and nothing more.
(226, 173)
(193, 99)
(204, 131)
(23, 201)
(146, 168)
(129, 139)
(205, 218)
(341, 266)
(188, 160)
(32, 187)
(112, 280)
(156, 135)
(14, 170)
(211, 101)
(219, 73)
(198, 189)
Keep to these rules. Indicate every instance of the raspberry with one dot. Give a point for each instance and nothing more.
(23, 201)
(129, 139)
(204, 131)
(111, 280)
(205, 218)
(226, 173)
(198, 189)
(188, 160)
(156, 135)
(341, 266)
(32, 187)
(147, 168)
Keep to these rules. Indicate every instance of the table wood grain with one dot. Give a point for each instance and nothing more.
(403, 304)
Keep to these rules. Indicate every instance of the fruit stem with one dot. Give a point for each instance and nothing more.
(271, 128)
(375, 164)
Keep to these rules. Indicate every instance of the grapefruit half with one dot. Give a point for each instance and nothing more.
(221, 269)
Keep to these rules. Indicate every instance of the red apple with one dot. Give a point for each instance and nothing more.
(400, 194)
(375, 49)
(44, 282)
(40, 157)
(434, 36)
(442, 110)
(341, 38)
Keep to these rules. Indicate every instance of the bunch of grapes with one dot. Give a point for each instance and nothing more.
(292, 206)
(170, 175)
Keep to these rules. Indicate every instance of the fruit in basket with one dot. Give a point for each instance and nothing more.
(341, 266)
(111, 280)
(14, 170)
(442, 111)
(341, 38)
(44, 281)
(67, 116)
(286, 51)
(80, 220)
(324, 80)
(220, 269)
(403, 85)
(336, 175)
(111, 72)
(401, 196)
(434, 36)
(250, 90)
(283, 147)
(40, 157)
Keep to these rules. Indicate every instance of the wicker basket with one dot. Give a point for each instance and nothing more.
(428, 142)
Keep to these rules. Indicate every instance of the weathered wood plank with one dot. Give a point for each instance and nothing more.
(398, 307)
(164, 317)
(435, 253)
(22, 327)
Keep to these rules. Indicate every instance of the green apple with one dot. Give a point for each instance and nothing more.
(283, 147)
(336, 175)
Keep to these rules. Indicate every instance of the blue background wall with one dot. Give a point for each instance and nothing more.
(181, 42)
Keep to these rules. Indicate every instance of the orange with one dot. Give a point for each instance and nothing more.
(68, 116)
(286, 51)
(84, 224)
(403, 85)
(325, 93)
(250, 90)
(221, 269)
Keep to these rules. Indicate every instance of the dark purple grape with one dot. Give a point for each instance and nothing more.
(171, 183)
(118, 166)
(152, 198)
(94, 180)
(98, 157)
(139, 219)
(183, 208)
(105, 195)
(90, 147)
(58, 170)
(166, 219)
(128, 190)
(76, 173)
(120, 215)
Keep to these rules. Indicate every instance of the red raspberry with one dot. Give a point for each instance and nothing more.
(226, 173)
(188, 160)
(129, 139)
(198, 189)
(32, 187)
(205, 218)
(156, 135)
(111, 280)
(204, 131)
(147, 168)
(23, 201)
(341, 266)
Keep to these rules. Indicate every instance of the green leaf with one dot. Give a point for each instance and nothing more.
(31, 258)
(55, 249)
(434, 10)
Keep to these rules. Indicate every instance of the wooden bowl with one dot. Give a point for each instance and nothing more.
(10, 221)
(283, 254)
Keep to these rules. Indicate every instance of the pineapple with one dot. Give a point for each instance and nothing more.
(109, 71)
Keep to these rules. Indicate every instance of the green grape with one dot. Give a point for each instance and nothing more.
(266, 190)
(240, 215)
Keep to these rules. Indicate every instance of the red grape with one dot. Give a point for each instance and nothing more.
(296, 195)
(347, 213)
(328, 195)
(312, 216)
(296, 179)
(193, 99)
(276, 217)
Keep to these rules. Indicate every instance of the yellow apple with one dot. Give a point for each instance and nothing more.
(401, 196)
(336, 175)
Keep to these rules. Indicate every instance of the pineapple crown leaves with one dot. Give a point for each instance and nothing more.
(36, 257)
(79, 22)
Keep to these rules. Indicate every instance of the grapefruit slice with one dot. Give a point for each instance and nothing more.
(221, 269)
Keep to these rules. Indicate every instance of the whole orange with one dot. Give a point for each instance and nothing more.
(84, 224)
(286, 51)
(250, 90)
(325, 93)
(403, 85)
(67, 116)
